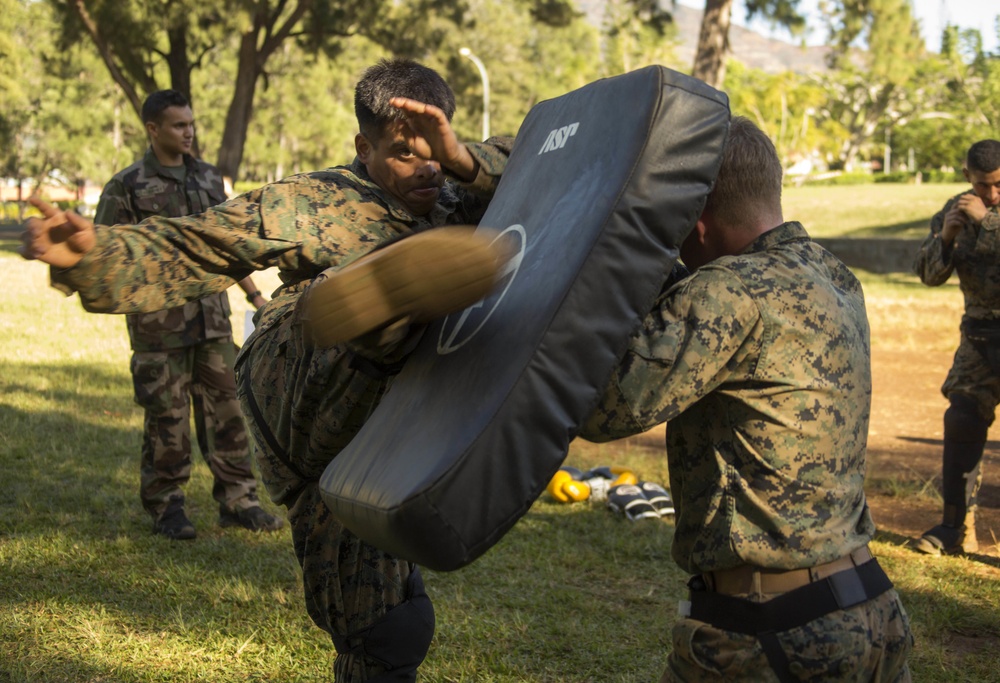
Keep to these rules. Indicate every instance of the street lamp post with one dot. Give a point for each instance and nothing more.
(466, 52)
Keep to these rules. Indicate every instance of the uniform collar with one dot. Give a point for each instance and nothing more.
(786, 232)
(154, 166)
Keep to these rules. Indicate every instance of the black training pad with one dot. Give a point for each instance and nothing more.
(482, 414)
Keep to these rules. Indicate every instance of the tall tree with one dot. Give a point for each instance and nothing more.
(526, 60)
(54, 105)
(637, 34)
(782, 105)
(974, 75)
(877, 51)
(959, 94)
(151, 44)
(713, 39)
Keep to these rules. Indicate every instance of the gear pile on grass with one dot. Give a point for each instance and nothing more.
(619, 487)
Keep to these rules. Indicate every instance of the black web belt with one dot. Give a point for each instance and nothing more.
(261, 424)
(793, 609)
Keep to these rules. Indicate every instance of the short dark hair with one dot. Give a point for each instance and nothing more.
(983, 157)
(159, 102)
(749, 180)
(397, 78)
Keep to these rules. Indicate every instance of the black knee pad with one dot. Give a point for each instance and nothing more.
(962, 421)
(401, 638)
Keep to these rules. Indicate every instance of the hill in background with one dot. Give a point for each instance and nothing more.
(749, 47)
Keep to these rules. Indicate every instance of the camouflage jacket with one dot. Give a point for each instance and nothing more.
(302, 225)
(974, 255)
(147, 189)
(760, 365)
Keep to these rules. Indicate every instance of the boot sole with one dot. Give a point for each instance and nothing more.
(424, 277)
(181, 535)
(928, 547)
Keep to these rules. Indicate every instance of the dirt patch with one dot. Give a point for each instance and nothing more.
(904, 449)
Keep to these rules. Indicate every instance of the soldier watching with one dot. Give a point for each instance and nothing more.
(964, 240)
(183, 357)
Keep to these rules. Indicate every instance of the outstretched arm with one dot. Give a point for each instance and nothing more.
(254, 296)
(431, 136)
(60, 238)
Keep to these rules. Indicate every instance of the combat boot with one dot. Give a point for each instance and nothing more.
(254, 518)
(964, 440)
(419, 278)
(950, 539)
(174, 524)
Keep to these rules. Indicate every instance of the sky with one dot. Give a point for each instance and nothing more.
(932, 14)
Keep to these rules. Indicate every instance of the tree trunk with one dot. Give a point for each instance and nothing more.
(240, 108)
(713, 43)
(180, 70)
(252, 59)
(178, 62)
(109, 61)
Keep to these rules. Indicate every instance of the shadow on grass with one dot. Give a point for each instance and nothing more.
(71, 524)
(905, 229)
(904, 281)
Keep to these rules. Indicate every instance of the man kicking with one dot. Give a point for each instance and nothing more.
(306, 395)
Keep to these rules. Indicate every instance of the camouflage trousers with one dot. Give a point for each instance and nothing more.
(169, 385)
(867, 642)
(972, 375)
(303, 406)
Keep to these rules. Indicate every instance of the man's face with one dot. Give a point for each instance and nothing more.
(415, 182)
(985, 185)
(174, 134)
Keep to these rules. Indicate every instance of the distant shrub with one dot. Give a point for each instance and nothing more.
(937, 176)
(895, 177)
(833, 178)
(863, 178)
(926, 176)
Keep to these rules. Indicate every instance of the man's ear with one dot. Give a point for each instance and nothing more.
(700, 228)
(965, 172)
(363, 148)
(152, 128)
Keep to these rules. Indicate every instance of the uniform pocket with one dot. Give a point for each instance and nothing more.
(701, 649)
(150, 379)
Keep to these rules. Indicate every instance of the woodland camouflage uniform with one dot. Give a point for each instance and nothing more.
(760, 365)
(182, 351)
(303, 404)
(973, 382)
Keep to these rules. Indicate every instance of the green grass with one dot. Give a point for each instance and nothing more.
(872, 210)
(571, 594)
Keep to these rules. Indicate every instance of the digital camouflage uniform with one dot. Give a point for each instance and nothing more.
(973, 382)
(304, 404)
(760, 365)
(182, 351)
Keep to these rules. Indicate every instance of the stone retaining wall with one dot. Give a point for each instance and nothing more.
(874, 254)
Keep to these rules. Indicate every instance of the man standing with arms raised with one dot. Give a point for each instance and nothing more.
(964, 240)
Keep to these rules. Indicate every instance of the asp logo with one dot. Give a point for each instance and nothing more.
(457, 330)
(558, 138)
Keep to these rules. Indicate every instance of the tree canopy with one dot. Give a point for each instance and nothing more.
(272, 81)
